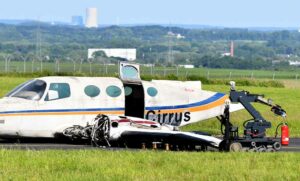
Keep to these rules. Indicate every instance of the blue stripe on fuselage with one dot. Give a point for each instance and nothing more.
(201, 103)
(64, 110)
(204, 102)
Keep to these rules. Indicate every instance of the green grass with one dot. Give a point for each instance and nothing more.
(146, 165)
(8, 83)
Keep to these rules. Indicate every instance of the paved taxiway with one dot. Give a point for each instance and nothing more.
(293, 147)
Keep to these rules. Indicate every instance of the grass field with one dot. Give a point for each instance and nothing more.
(152, 165)
(98, 68)
(147, 165)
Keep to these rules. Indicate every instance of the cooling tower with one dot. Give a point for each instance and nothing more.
(91, 18)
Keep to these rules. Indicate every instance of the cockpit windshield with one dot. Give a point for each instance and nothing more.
(31, 90)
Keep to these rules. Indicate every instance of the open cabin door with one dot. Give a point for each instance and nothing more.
(133, 88)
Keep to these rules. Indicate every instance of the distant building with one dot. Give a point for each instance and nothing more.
(148, 65)
(231, 53)
(187, 66)
(178, 36)
(294, 63)
(128, 54)
(91, 18)
(276, 62)
(284, 55)
(226, 54)
(77, 21)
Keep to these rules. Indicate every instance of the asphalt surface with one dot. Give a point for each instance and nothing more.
(294, 146)
(50, 145)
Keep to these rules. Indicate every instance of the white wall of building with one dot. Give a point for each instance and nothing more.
(187, 66)
(129, 54)
(294, 63)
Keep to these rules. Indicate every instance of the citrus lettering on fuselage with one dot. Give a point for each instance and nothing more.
(173, 119)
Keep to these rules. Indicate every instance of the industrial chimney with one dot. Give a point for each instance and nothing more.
(232, 49)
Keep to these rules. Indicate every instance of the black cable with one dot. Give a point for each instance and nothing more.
(222, 132)
(244, 124)
(276, 132)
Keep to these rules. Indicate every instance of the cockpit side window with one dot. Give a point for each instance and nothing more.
(18, 88)
(32, 90)
(58, 91)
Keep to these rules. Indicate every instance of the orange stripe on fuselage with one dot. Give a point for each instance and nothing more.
(65, 113)
(217, 103)
(209, 106)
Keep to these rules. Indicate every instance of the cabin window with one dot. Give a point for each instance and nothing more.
(58, 91)
(92, 91)
(128, 91)
(152, 91)
(113, 91)
(130, 72)
(32, 90)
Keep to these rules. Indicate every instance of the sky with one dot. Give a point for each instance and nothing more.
(229, 13)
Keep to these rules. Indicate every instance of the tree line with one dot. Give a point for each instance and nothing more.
(155, 44)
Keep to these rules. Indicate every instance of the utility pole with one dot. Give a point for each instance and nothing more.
(74, 65)
(81, 62)
(170, 49)
(57, 65)
(7, 59)
(39, 45)
(24, 58)
(90, 61)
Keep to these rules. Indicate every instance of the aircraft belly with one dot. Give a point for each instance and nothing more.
(9, 126)
(48, 126)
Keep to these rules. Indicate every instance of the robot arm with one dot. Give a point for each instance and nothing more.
(245, 98)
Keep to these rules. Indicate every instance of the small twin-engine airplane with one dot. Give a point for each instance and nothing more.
(50, 106)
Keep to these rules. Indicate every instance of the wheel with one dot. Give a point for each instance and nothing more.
(235, 147)
(262, 149)
(253, 144)
(277, 146)
(270, 150)
(222, 146)
(203, 148)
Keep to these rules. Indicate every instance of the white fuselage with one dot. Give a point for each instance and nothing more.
(68, 101)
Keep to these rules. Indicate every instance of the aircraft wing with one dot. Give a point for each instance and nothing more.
(170, 137)
(138, 131)
(235, 107)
